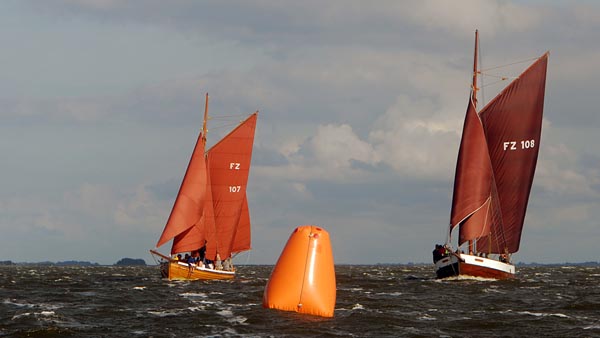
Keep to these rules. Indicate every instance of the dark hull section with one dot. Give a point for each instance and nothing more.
(448, 270)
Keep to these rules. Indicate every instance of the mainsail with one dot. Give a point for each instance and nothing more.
(243, 239)
(513, 127)
(229, 166)
(496, 163)
(211, 205)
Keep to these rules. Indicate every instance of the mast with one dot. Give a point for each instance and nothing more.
(474, 98)
(476, 55)
(205, 118)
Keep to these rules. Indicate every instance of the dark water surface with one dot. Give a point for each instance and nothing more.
(372, 301)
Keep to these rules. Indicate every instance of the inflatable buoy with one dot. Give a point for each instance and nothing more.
(303, 279)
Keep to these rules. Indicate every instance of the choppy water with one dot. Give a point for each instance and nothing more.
(372, 301)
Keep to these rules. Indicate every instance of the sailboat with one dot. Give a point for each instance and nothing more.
(210, 220)
(494, 174)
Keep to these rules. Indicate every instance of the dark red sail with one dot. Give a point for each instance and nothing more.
(513, 124)
(472, 182)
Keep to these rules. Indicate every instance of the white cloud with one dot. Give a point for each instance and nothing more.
(416, 140)
(94, 200)
(557, 175)
(328, 155)
(39, 216)
(141, 209)
(559, 171)
(336, 146)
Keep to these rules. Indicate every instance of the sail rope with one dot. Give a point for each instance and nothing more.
(509, 64)
(501, 78)
(226, 121)
(224, 117)
(155, 260)
(226, 125)
(242, 253)
(498, 81)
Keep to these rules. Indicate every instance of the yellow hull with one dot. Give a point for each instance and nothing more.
(182, 271)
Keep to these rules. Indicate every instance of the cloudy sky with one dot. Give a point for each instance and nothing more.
(361, 109)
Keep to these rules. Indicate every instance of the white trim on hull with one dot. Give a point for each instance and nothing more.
(179, 270)
(182, 270)
(470, 265)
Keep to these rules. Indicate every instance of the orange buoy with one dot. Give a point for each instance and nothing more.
(303, 279)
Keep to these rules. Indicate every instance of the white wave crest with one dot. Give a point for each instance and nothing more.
(541, 314)
(358, 307)
(193, 294)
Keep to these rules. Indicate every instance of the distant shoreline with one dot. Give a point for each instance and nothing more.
(141, 262)
(121, 262)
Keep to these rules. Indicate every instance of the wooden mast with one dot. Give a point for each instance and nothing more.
(474, 98)
(205, 119)
(475, 71)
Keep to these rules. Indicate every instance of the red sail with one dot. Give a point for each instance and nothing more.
(195, 237)
(473, 181)
(229, 166)
(513, 126)
(188, 207)
(189, 240)
(242, 240)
